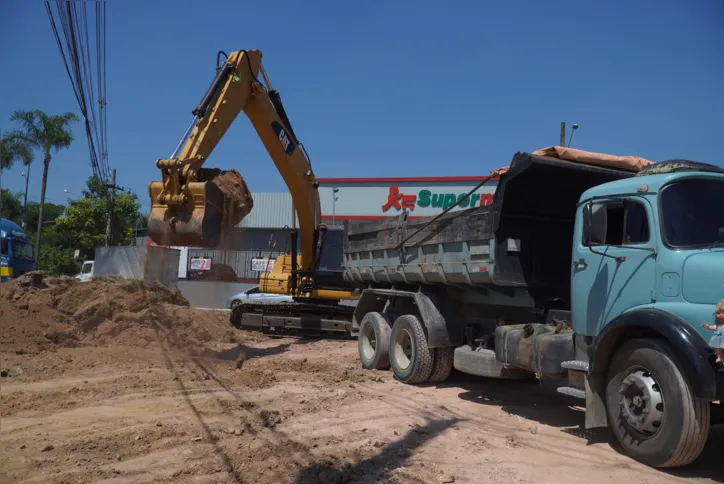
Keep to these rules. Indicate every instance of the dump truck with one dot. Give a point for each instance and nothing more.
(592, 275)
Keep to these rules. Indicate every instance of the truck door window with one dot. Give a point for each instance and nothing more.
(627, 223)
(4, 246)
(636, 224)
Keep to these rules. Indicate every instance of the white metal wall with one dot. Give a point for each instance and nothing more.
(421, 198)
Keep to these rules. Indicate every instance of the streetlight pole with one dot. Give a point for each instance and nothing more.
(25, 175)
(575, 127)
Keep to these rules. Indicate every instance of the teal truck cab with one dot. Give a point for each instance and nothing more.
(16, 251)
(595, 277)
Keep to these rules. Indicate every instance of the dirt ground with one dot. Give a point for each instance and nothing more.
(111, 382)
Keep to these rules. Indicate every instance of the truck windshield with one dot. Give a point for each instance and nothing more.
(22, 250)
(690, 213)
(86, 268)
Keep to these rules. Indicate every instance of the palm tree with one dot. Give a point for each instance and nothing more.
(45, 132)
(13, 149)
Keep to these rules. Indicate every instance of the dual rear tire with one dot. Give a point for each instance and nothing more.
(403, 347)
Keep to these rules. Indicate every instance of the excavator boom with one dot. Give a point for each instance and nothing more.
(197, 207)
(194, 206)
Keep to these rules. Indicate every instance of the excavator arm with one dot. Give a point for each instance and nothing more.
(193, 206)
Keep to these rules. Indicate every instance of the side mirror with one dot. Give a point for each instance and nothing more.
(594, 224)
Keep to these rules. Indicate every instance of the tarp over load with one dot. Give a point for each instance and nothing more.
(625, 163)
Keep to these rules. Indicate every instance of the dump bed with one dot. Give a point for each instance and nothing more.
(522, 239)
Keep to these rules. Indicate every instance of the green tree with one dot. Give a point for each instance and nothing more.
(12, 207)
(59, 261)
(45, 132)
(51, 211)
(12, 149)
(85, 218)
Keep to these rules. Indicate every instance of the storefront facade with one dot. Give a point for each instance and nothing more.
(374, 198)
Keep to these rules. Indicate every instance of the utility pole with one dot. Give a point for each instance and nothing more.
(26, 175)
(1, 178)
(563, 134)
(109, 220)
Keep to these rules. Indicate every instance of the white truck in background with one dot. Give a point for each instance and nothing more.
(86, 271)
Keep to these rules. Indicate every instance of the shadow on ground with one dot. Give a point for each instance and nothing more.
(530, 399)
(335, 469)
(540, 402)
(377, 468)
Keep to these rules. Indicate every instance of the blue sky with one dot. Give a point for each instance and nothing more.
(387, 88)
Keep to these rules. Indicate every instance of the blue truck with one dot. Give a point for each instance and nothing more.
(16, 251)
(596, 278)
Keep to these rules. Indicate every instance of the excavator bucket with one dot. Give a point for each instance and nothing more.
(216, 204)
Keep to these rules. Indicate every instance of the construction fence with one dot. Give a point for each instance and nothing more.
(244, 263)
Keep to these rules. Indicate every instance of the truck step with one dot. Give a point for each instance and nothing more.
(575, 365)
(572, 392)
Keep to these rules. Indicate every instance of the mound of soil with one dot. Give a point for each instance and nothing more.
(40, 313)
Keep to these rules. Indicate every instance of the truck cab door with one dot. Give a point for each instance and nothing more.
(614, 270)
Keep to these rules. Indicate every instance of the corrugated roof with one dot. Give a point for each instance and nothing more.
(271, 210)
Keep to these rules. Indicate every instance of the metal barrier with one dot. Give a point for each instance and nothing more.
(238, 260)
(148, 264)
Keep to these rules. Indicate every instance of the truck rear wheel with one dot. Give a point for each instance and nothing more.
(410, 357)
(373, 342)
(442, 364)
(651, 407)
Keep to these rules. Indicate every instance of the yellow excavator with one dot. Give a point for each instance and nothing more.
(198, 207)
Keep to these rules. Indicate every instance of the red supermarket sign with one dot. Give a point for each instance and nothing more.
(426, 198)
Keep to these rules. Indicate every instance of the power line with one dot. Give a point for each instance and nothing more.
(76, 53)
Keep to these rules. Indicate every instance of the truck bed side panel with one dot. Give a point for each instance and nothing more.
(523, 239)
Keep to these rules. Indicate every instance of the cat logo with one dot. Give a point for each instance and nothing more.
(284, 138)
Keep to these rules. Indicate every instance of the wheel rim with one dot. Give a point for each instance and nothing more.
(403, 349)
(641, 402)
(369, 342)
(234, 304)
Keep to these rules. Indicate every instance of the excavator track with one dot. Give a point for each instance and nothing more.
(299, 318)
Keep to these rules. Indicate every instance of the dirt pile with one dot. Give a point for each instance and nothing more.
(39, 313)
(233, 186)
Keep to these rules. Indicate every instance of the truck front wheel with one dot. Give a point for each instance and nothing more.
(410, 356)
(651, 407)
